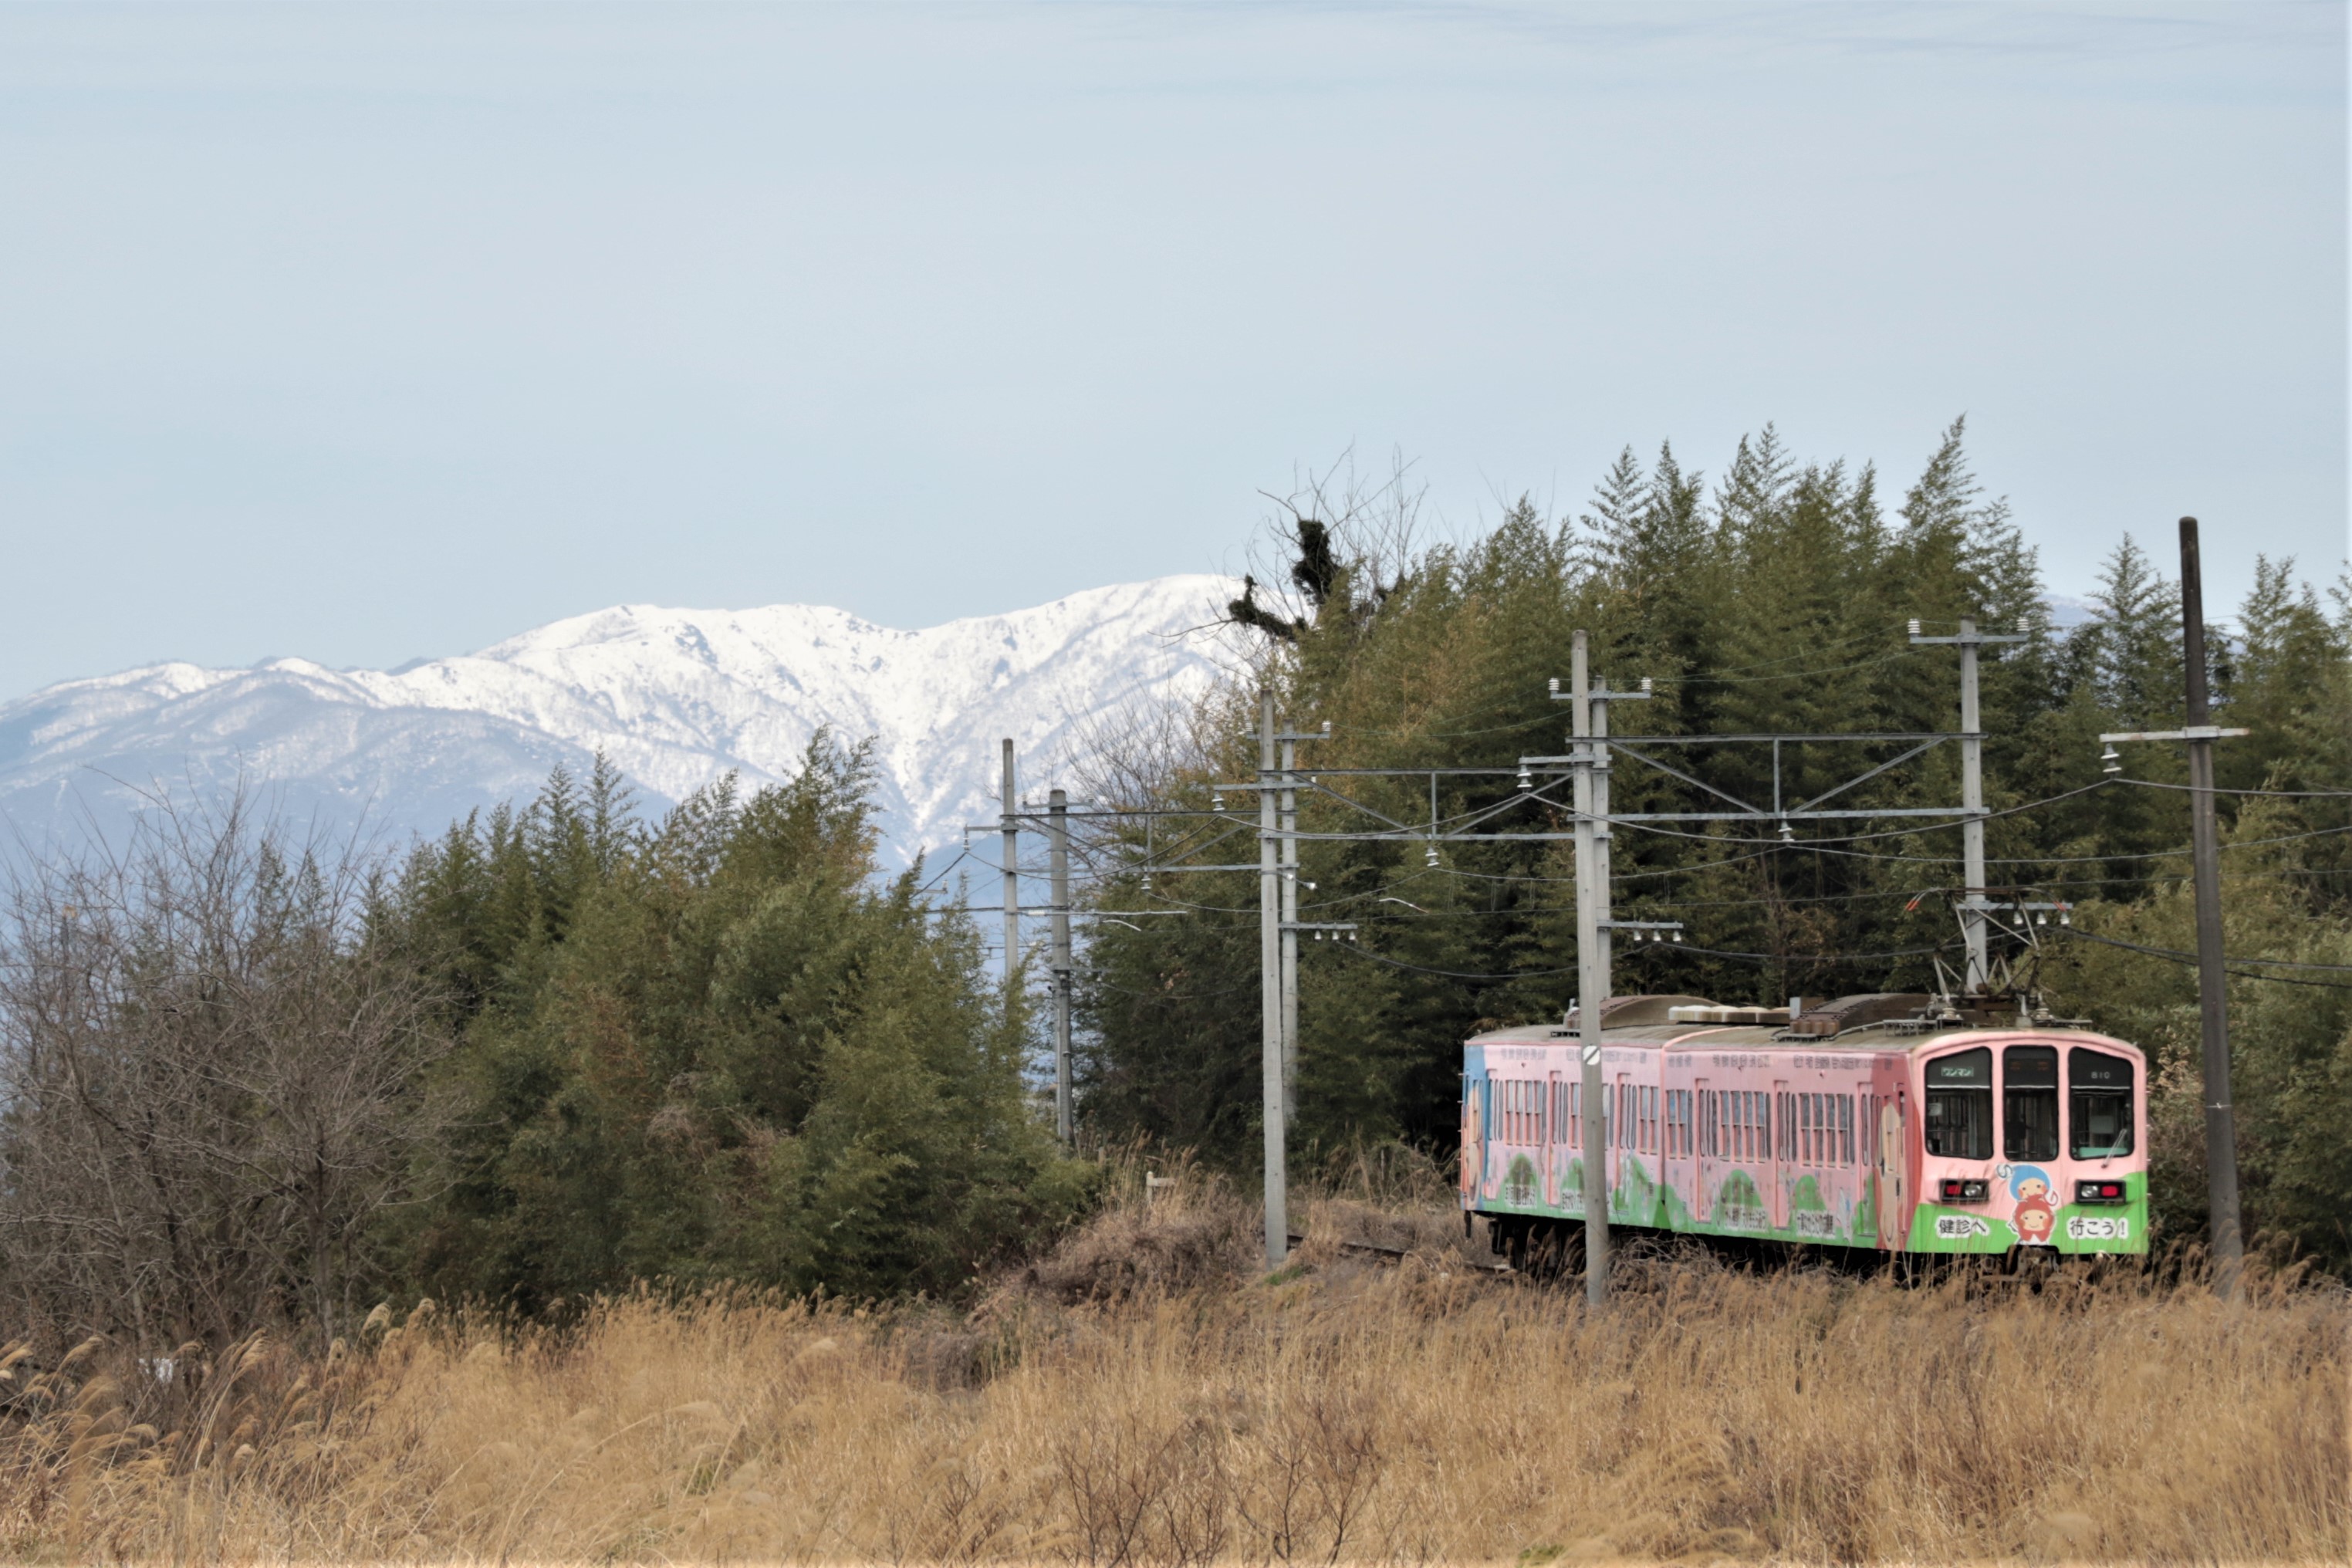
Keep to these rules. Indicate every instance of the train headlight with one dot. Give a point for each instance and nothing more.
(2099, 1192)
(1960, 1190)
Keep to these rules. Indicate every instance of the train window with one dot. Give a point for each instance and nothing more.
(2100, 1114)
(2028, 1102)
(1959, 1105)
(1845, 1129)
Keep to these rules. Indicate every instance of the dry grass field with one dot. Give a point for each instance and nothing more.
(1138, 1398)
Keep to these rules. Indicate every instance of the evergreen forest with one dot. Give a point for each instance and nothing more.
(1775, 598)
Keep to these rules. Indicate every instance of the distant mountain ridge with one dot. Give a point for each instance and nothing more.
(674, 698)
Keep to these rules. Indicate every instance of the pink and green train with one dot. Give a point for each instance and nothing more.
(1848, 1128)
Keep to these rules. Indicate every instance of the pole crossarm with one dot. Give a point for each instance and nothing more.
(2194, 732)
(1622, 740)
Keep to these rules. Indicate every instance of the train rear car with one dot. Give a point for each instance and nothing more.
(1894, 1124)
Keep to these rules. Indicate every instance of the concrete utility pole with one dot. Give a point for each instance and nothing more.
(1288, 814)
(1596, 697)
(1012, 823)
(1601, 696)
(1972, 827)
(1591, 976)
(1269, 918)
(2213, 993)
(1057, 810)
(1973, 901)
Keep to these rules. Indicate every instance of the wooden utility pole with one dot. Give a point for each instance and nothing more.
(2212, 985)
(2229, 1244)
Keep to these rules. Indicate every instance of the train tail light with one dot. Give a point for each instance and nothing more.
(2099, 1192)
(1957, 1190)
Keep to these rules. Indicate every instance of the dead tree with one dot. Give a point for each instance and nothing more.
(210, 1082)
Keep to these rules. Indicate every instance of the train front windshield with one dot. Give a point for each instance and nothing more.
(2028, 1102)
(2100, 1117)
(2096, 1095)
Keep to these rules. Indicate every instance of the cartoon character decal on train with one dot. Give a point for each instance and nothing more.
(2034, 1219)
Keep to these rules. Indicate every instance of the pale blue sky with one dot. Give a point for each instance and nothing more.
(364, 332)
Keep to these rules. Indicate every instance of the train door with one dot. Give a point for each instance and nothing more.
(1555, 1155)
(1892, 1163)
(1707, 1135)
(1780, 1145)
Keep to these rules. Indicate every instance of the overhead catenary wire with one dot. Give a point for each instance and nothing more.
(1802, 960)
(2190, 957)
(2260, 794)
(2174, 956)
(1103, 858)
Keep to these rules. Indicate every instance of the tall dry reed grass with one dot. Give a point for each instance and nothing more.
(1137, 1399)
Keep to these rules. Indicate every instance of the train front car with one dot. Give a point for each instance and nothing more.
(2029, 1139)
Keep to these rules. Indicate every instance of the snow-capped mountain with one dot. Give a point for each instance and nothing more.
(675, 697)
